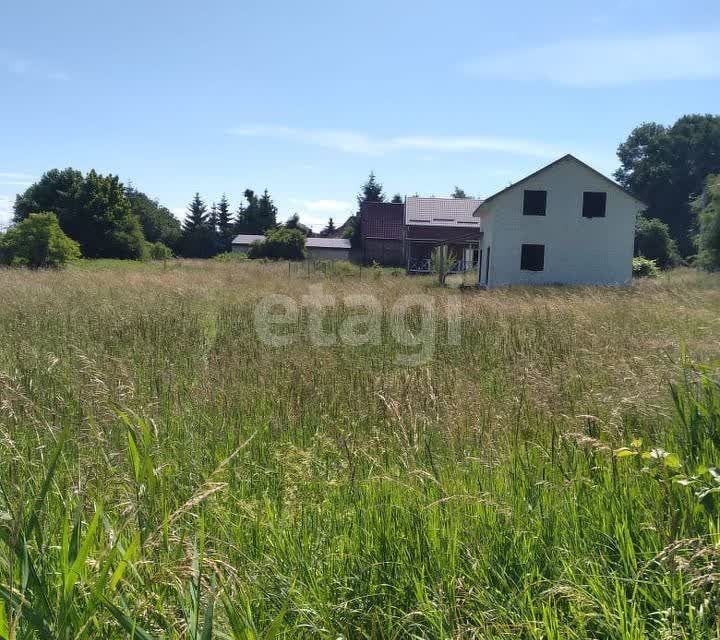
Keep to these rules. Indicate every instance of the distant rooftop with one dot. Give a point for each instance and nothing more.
(441, 212)
(316, 243)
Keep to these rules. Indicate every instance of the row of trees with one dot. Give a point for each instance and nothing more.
(670, 168)
(209, 231)
(109, 220)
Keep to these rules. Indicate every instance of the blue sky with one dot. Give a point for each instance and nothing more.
(306, 98)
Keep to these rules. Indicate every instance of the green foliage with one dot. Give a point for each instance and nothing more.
(653, 241)
(282, 243)
(92, 210)
(666, 166)
(159, 251)
(230, 257)
(441, 262)
(167, 475)
(38, 241)
(225, 225)
(644, 267)
(258, 216)
(707, 209)
(293, 221)
(200, 239)
(197, 216)
(459, 193)
(371, 191)
(158, 223)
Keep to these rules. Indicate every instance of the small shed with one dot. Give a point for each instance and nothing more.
(328, 248)
(316, 248)
(241, 243)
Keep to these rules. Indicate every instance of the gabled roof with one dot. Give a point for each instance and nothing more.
(441, 212)
(568, 156)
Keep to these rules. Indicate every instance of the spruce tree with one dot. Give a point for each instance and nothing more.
(199, 237)
(224, 224)
(371, 191)
(197, 215)
(267, 212)
(213, 217)
(329, 229)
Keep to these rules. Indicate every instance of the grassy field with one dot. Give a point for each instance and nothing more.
(547, 472)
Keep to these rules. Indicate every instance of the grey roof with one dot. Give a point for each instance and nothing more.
(567, 156)
(327, 243)
(441, 212)
(317, 243)
(244, 239)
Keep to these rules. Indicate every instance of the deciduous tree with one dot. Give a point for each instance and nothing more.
(38, 241)
(666, 166)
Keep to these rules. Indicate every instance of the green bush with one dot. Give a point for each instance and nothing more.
(286, 244)
(230, 256)
(644, 268)
(159, 251)
(38, 241)
(653, 241)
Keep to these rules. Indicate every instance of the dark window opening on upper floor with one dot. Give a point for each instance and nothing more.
(534, 203)
(594, 203)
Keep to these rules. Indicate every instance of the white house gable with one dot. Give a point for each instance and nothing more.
(564, 224)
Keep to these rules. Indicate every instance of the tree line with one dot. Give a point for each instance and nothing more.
(109, 220)
(673, 169)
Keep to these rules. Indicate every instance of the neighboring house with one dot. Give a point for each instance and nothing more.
(382, 233)
(316, 248)
(430, 222)
(564, 224)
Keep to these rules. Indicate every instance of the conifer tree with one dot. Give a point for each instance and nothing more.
(197, 215)
(224, 224)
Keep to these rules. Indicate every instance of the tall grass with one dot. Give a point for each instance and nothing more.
(163, 474)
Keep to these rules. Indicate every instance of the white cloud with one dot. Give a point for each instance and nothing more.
(609, 61)
(355, 142)
(315, 213)
(16, 179)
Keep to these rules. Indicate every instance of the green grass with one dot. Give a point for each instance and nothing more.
(163, 474)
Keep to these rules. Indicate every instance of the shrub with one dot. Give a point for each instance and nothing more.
(230, 256)
(653, 241)
(38, 241)
(287, 244)
(644, 267)
(159, 251)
